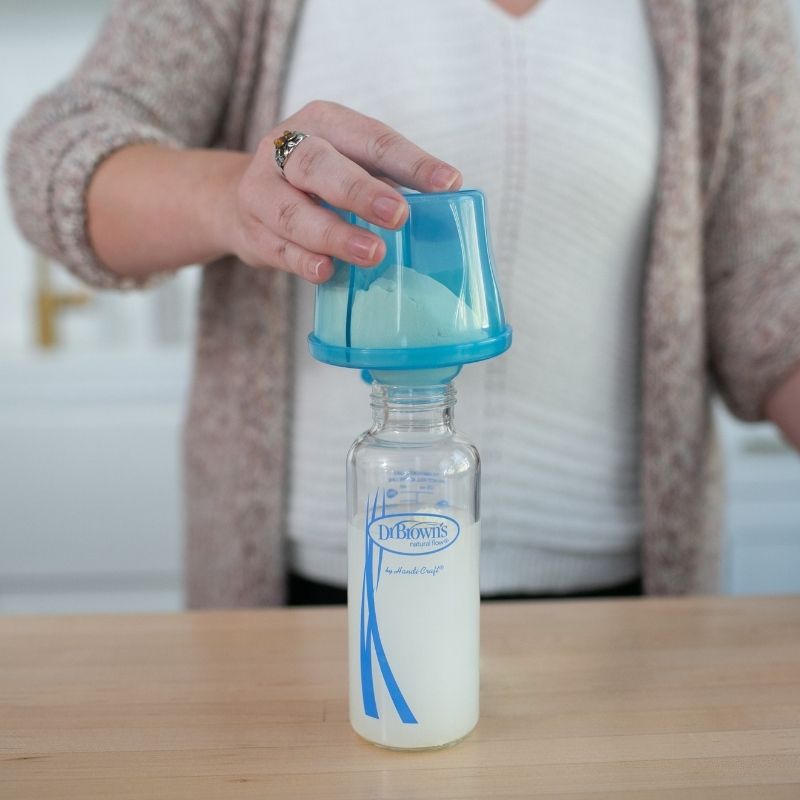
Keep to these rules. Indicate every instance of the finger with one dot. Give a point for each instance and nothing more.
(317, 168)
(272, 251)
(379, 148)
(292, 215)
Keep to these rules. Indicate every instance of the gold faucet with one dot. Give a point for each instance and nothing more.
(50, 302)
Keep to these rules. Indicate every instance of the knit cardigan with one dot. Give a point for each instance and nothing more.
(721, 297)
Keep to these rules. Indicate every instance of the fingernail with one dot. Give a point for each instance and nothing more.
(388, 209)
(362, 247)
(317, 268)
(444, 177)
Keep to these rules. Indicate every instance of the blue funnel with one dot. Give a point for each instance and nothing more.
(429, 307)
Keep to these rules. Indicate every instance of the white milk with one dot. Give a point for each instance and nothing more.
(426, 611)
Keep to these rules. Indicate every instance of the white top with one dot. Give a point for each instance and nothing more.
(556, 117)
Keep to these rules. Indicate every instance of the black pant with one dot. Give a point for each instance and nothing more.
(303, 592)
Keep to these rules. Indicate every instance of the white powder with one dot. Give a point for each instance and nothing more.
(402, 308)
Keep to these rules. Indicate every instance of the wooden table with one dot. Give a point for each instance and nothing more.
(685, 698)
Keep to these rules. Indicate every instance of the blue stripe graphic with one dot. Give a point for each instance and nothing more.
(369, 633)
(367, 687)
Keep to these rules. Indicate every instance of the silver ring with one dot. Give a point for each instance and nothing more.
(285, 144)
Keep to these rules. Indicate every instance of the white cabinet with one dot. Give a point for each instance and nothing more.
(90, 500)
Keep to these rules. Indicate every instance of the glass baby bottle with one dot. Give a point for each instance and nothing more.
(413, 512)
(413, 516)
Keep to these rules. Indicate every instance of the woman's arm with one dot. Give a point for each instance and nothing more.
(109, 176)
(752, 244)
(783, 408)
(152, 208)
(158, 72)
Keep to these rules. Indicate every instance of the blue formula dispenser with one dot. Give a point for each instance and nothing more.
(429, 307)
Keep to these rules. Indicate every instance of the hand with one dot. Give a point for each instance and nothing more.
(275, 220)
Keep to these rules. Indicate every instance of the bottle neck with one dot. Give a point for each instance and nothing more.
(419, 409)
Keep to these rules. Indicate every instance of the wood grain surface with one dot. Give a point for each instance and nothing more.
(643, 698)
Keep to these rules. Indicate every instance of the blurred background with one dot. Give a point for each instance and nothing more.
(92, 390)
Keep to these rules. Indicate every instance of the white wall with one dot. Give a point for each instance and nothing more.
(90, 502)
(40, 43)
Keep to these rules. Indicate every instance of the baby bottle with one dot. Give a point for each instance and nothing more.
(413, 595)
(413, 483)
